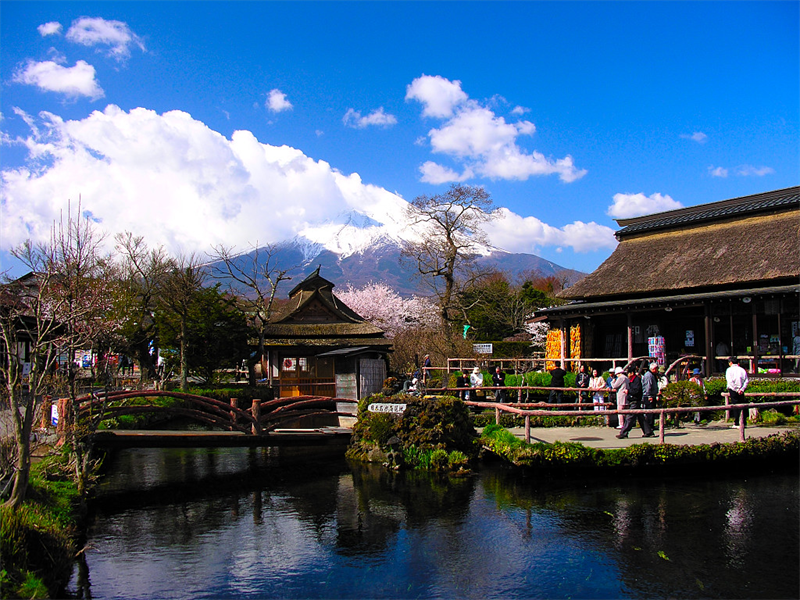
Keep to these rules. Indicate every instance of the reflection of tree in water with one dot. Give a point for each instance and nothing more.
(685, 537)
(382, 502)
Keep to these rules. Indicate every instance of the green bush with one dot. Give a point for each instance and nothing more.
(429, 430)
(36, 539)
(487, 417)
(772, 449)
(682, 393)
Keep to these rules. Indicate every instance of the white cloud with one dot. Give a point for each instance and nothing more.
(184, 186)
(717, 171)
(636, 205)
(520, 110)
(697, 136)
(482, 142)
(116, 35)
(171, 178)
(751, 171)
(379, 118)
(52, 77)
(436, 174)
(438, 95)
(277, 102)
(51, 28)
(528, 234)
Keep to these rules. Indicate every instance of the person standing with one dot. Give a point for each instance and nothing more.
(557, 381)
(635, 394)
(426, 369)
(476, 381)
(697, 378)
(582, 381)
(597, 384)
(650, 393)
(620, 386)
(461, 382)
(736, 378)
(796, 351)
(499, 380)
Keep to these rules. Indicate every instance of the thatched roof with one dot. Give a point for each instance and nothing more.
(314, 316)
(742, 242)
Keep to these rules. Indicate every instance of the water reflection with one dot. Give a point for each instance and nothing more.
(256, 524)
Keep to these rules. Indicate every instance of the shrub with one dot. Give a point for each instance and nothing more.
(36, 539)
(682, 393)
(773, 450)
(429, 430)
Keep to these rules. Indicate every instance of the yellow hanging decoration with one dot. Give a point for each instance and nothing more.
(575, 342)
(552, 349)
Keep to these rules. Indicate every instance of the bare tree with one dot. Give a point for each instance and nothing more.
(182, 283)
(449, 229)
(258, 275)
(142, 273)
(62, 305)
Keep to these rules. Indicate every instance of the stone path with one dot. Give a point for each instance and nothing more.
(687, 434)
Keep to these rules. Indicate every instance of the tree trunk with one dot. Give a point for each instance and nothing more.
(184, 363)
(22, 433)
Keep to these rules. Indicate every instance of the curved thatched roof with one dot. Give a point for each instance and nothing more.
(738, 249)
(314, 316)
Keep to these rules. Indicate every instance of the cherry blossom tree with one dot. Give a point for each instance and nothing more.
(380, 305)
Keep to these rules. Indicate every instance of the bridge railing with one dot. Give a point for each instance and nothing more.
(261, 418)
(541, 409)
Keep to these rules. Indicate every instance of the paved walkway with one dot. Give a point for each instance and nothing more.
(687, 435)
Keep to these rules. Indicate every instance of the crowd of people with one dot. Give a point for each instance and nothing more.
(631, 389)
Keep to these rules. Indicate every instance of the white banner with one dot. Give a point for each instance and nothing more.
(386, 408)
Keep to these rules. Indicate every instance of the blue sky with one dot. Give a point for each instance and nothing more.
(200, 123)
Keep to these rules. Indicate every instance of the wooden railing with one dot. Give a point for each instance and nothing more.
(543, 409)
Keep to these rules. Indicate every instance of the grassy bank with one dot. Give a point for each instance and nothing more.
(774, 450)
(37, 540)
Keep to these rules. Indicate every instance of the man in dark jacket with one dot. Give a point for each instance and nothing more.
(499, 380)
(556, 381)
(635, 402)
(650, 392)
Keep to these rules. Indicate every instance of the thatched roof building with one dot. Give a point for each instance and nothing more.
(317, 345)
(705, 278)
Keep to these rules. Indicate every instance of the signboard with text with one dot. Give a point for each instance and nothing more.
(482, 348)
(386, 408)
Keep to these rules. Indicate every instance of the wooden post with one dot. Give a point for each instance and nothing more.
(708, 331)
(630, 337)
(527, 429)
(47, 403)
(497, 416)
(234, 404)
(256, 411)
(742, 421)
(661, 419)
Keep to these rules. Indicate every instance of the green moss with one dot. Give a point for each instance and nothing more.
(427, 433)
(559, 456)
(37, 545)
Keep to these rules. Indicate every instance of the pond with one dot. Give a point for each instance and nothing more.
(240, 523)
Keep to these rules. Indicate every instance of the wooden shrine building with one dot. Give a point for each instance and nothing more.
(715, 280)
(318, 346)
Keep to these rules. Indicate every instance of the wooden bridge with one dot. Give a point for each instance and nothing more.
(265, 423)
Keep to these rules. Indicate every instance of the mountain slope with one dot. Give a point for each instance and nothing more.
(381, 262)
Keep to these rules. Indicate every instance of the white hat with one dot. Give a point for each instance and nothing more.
(476, 370)
(619, 370)
(653, 365)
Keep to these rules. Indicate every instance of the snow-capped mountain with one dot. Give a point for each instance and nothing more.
(358, 252)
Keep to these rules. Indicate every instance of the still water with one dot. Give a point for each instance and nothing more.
(240, 523)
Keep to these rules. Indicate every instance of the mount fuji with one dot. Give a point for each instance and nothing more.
(357, 249)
